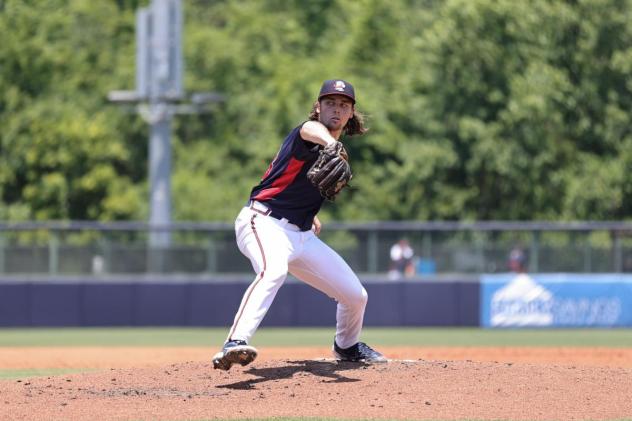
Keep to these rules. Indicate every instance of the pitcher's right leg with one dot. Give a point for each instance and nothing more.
(264, 244)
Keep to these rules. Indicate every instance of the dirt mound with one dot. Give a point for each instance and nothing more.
(134, 357)
(320, 388)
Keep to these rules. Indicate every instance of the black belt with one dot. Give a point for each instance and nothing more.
(269, 212)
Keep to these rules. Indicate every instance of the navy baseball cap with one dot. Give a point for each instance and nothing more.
(337, 87)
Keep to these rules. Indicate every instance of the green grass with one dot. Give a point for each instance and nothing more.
(316, 337)
(357, 419)
(325, 419)
(337, 419)
(11, 374)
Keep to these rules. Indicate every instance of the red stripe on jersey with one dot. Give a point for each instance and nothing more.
(284, 180)
(270, 167)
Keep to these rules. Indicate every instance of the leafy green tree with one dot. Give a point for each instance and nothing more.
(477, 110)
(63, 150)
(530, 97)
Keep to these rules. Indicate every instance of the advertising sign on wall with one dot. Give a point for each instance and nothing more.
(556, 300)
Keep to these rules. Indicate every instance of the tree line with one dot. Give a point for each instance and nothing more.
(478, 110)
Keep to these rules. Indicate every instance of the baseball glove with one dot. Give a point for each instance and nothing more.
(331, 171)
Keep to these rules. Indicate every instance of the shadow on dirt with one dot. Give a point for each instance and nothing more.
(328, 369)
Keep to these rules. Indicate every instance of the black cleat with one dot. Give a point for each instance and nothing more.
(359, 352)
(234, 352)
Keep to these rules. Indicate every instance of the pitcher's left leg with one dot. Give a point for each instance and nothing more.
(321, 267)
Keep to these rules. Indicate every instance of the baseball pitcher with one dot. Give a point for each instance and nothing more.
(278, 229)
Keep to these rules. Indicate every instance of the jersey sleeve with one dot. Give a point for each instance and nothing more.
(304, 149)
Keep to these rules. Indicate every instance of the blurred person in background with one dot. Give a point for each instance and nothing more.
(517, 261)
(402, 256)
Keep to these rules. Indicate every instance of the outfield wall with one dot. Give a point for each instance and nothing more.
(495, 301)
(60, 302)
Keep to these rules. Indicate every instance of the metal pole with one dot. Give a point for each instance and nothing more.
(372, 252)
(106, 251)
(480, 252)
(427, 245)
(53, 253)
(617, 252)
(2, 248)
(587, 253)
(211, 256)
(159, 176)
(534, 264)
(159, 85)
(163, 82)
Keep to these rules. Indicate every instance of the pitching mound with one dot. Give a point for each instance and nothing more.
(321, 388)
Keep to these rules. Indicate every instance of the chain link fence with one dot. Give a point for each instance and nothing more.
(97, 249)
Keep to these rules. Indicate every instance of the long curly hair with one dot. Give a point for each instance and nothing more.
(355, 125)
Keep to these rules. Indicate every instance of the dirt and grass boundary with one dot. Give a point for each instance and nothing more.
(438, 374)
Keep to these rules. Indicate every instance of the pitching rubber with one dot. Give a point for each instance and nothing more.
(386, 360)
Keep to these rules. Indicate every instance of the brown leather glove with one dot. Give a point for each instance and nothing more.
(331, 172)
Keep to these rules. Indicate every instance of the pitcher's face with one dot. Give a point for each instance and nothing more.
(335, 111)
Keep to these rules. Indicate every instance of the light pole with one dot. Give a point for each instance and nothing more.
(158, 96)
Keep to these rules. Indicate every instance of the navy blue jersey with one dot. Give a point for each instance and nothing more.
(285, 188)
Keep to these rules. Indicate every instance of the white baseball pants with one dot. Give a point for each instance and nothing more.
(276, 247)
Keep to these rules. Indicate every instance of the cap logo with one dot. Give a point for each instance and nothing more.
(339, 85)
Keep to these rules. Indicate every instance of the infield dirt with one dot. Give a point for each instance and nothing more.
(511, 384)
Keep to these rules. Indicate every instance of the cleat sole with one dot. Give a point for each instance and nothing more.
(242, 355)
